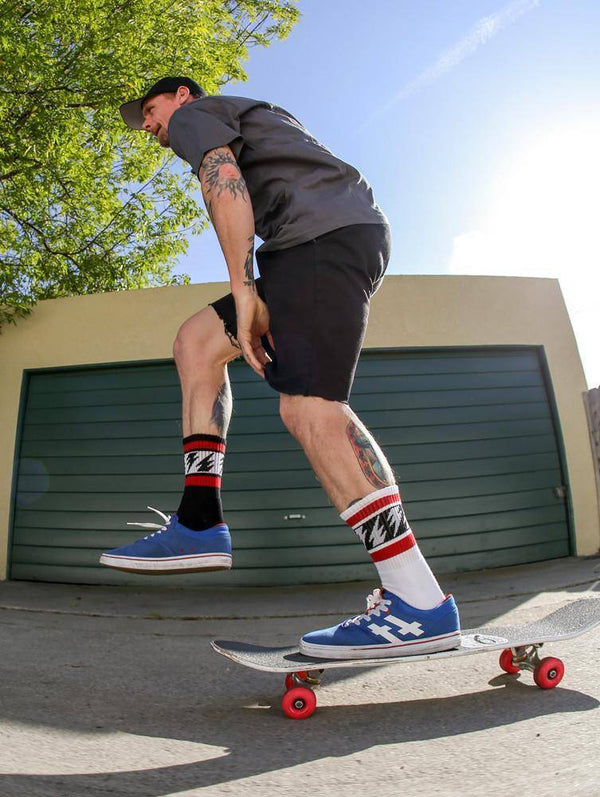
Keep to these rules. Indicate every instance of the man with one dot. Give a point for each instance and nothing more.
(300, 326)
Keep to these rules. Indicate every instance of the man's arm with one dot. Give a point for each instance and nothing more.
(230, 210)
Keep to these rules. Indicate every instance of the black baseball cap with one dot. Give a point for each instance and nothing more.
(132, 111)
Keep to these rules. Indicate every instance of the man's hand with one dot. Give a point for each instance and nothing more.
(253, 323)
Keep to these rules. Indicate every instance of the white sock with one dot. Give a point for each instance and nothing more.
(379, 520)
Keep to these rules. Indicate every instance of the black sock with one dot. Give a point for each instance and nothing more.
(200, 506)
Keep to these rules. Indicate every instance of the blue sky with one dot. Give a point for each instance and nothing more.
(477, 122)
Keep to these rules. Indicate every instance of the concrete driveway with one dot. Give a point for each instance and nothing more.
(115, 691)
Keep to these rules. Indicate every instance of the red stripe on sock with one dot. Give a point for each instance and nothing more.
(394, 548)
(204, 445)
(202, 481)
(379, 503)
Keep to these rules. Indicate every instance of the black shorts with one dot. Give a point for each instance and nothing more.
(318, 297)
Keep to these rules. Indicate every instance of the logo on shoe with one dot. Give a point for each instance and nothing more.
(403, 628)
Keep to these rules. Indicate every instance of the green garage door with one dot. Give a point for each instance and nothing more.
(470, 433)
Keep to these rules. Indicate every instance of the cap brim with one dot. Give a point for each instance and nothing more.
(132, 114)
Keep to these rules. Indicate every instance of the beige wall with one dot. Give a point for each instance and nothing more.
(408, 311)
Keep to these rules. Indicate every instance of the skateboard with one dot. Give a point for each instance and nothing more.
(519, 645)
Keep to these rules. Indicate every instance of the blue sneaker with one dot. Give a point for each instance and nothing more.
(389, 627)
(172, 548)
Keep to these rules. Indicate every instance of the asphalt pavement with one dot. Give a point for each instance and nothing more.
(116, 691)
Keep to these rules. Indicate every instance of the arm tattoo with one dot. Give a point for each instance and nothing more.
(210, 210)
(376, 470)
(212, 179)
(221, 411)
(249, 266)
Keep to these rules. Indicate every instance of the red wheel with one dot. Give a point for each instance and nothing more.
(299, 703)
(506, 662)
(549, 673)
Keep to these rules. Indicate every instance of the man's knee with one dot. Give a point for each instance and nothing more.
(196, 339)
(304, 416)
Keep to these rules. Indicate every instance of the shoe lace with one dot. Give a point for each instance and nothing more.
(376, 604)
(158, 526)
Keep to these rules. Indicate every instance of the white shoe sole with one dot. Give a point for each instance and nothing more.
(168, 565)
(430, 645)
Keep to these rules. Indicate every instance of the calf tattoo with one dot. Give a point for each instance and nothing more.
(376, 471)
(221, 411)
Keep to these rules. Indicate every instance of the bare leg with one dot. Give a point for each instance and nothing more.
(352, 468)
(202, 350)
(345, 457)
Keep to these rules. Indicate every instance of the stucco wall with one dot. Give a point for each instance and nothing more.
(408, 311)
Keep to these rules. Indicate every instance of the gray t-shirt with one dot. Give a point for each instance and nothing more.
(298, 188)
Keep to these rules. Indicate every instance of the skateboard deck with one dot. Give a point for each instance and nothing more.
(519, 645)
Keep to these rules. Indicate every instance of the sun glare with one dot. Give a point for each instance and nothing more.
(542, 219)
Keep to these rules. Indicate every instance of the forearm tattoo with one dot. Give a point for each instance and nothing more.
(221, 411)
(375, 470)
(249, 266)
(215, 178)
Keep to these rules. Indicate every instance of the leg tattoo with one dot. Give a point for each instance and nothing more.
(221, 411)
(375, 469)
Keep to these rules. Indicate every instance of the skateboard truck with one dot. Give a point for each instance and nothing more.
(547, 673)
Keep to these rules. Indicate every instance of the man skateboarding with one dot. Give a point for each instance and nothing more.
(300, 326)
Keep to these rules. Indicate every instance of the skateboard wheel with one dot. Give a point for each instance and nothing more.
(549, 673)
(299, 703)
(506, 662)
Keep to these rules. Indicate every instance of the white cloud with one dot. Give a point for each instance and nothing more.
(481, 32)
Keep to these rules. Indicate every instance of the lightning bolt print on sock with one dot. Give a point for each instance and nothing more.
(200, 506)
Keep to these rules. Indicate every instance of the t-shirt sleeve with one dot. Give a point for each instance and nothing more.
(193, 132)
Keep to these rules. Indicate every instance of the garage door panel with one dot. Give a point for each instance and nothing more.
(101, 539)
(117, 520)
(489, 520)
(480, 505)
(464, 450)
(170, 394)
(507, 557)
(480, 486)
(462, 381)
(352, 553)
(493, 541)
(146, 375)
(457, 398)
(249, 500)
(159, 483)
(101, 414)
(451, 362)
(458, 431)
(257, 577)
(430, 471)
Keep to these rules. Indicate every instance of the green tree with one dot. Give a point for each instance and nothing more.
(86, 204)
